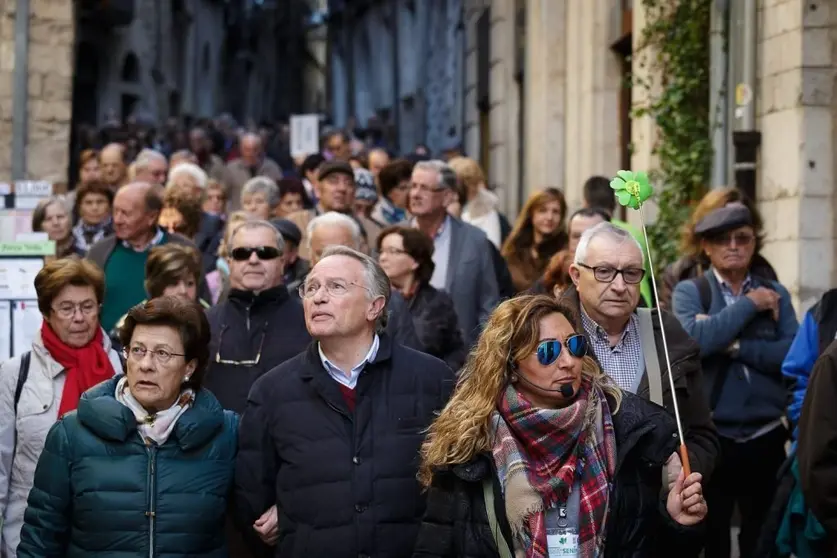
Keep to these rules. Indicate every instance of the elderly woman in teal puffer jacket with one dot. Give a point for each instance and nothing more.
(145, 466)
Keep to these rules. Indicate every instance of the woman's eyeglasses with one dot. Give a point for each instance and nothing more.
(68, 309)
(606, 274)
(160, 356)
(251, 362)
(262, 252)
(549, 351)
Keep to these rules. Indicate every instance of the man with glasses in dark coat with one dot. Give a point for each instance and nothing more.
(329, 441)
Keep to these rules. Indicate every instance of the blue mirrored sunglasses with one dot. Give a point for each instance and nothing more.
(549, 351)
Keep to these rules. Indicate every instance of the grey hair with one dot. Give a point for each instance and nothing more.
(257, 224)
(145, 157)
(262, 185)
(377, 281)
(335, 219)
(447, 176)
(190, 169)
(39, 214)
(608, 229)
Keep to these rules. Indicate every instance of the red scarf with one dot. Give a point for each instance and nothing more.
(85, 366)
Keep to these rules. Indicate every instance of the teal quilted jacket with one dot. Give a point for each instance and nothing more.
(100, 491)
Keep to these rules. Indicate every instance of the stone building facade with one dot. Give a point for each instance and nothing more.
(49, 100)
(166, 62)
(564, 114)
(400, 63)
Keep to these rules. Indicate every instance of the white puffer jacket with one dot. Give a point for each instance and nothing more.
(37, 411)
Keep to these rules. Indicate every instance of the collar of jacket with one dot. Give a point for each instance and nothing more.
(680, 345)
(314, 365)
(273, 295)
(640, 426)
(109, 419)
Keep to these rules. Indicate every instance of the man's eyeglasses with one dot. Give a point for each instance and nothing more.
(160, 356)
(68, 309)
(243, 254)
(606, 274)
(332, 287)
(425, 188)
(740, 239)
(549, 351)
(252, 362)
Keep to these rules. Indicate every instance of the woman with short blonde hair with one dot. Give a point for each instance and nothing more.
(574, 464)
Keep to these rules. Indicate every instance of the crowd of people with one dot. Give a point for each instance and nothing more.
(352, 354)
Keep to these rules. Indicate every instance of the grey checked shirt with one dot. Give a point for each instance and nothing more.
(623, 362)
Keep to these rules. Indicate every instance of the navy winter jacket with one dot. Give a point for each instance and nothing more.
(100, 491)
(344, 482)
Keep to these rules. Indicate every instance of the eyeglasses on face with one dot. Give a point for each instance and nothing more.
(333, 287)
(250, 362)
(160, 356)
(242, 254)
(393, 251)
(548, 351)
(606, 274)
(68, 309)
(739, 238)
(425, 188)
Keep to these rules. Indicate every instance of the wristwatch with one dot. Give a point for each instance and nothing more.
(734, 348)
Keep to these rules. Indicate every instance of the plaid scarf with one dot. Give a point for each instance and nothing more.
(553, 447)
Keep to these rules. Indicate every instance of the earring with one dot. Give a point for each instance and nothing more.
(513, 378)
(186, 379)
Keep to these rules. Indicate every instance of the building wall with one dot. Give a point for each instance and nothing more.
(423, 86)
(179, 63)
(796, 109)
(51, 35)
(569, 102)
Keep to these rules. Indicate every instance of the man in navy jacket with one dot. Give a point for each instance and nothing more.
(329, 441)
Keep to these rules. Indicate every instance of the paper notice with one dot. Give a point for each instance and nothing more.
(5, 330)
(26, 323)
(17, 277)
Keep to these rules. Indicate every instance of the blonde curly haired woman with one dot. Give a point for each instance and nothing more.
(539, 454)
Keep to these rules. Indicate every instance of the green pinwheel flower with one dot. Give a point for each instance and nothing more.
(631, 188)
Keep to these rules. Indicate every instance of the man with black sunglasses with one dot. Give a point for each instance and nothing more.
(627, 342)
(260, 325)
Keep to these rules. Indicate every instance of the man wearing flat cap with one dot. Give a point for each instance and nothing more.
(336, 192)
(744, 325)
(296, 268)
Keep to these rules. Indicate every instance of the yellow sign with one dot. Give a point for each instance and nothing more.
(743, 94)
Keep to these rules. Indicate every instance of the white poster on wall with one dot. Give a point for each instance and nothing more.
(17, 277)
(305, 134)
(26, 323)
(5, 330)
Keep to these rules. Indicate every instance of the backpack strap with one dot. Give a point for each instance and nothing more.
(705, 291)
(493, 524)
(649, 351)
(22, 376)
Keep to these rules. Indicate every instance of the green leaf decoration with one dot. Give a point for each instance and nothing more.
(631, 188)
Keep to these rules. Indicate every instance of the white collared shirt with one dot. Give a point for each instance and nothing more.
(349, 380)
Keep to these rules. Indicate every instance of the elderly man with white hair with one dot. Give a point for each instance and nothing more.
(191, 178)
(338, 229)
(627, 343)
(151, 166)
(329, 440)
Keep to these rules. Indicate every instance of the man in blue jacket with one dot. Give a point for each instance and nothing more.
(744, 325)
(817, 331)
